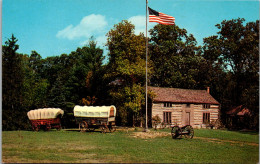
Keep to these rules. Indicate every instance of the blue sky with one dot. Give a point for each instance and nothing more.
(54, 27)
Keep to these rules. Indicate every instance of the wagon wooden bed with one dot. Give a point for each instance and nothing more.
(95, 117)
(45, 118)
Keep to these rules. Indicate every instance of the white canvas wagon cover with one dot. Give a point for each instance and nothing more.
(95, 111)
(44, 113)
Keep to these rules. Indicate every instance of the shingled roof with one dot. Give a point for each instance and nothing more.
(177, 95)
(239, 111)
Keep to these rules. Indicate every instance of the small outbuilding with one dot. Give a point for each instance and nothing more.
(239, 111)
(237, 117)
(175, 106)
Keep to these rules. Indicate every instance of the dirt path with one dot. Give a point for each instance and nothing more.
(216, 140)
(146, 135)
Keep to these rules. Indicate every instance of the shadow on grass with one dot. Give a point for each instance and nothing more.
(249, 132)
(87, 131)
(245, 131)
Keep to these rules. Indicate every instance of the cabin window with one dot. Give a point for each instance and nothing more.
(187, 105)
(206, 106)
(167, 104)
(167, 117)
(206, 118)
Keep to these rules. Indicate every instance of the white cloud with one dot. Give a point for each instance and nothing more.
(90, 25)
(97, 26)
(102, 39)
(139, 22)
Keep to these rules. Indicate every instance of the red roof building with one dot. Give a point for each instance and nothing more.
(237, 117)
(238, 111)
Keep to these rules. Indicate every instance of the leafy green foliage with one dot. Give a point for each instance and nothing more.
(31, 82)
(13, 75)
(236, 50)
(228, 63)
(127, 63)
(175, 58)
(12, 86)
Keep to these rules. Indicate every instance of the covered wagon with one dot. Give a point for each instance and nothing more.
(46, 118)
(94, 117)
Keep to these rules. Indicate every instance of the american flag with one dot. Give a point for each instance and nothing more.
(155, 16)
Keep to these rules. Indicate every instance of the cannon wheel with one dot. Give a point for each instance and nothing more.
(189, 132)
(176, 131)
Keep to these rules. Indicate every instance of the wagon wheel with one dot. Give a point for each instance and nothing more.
(59, 127)
(189, 132)
(47, 127)
(83, 126)
(91, 129)
(35, 128)
(175, 132)
(103, 129)
(112, 129)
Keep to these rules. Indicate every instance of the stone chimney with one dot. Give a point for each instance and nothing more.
(208, 90)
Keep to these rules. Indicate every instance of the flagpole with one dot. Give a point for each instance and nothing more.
(146, 51)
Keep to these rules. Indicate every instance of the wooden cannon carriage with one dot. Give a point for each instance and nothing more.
(45, 118)
(187, 131)
(95, 117)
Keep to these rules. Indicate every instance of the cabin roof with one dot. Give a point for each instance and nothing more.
(178, 95)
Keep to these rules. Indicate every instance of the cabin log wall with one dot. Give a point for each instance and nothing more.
(179, 111)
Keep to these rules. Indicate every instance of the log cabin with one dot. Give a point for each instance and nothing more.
(175, 106)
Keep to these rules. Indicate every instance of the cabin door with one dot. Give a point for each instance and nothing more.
(187, 118)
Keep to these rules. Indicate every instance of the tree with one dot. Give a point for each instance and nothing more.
(126, 64)
(175, 58)
(93, 79)
(34, 90)
(236, 48)
(85, 74)
(12, 74)
(13, 77)
(30, 82)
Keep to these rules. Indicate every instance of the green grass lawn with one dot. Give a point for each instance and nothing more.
(208, 146)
